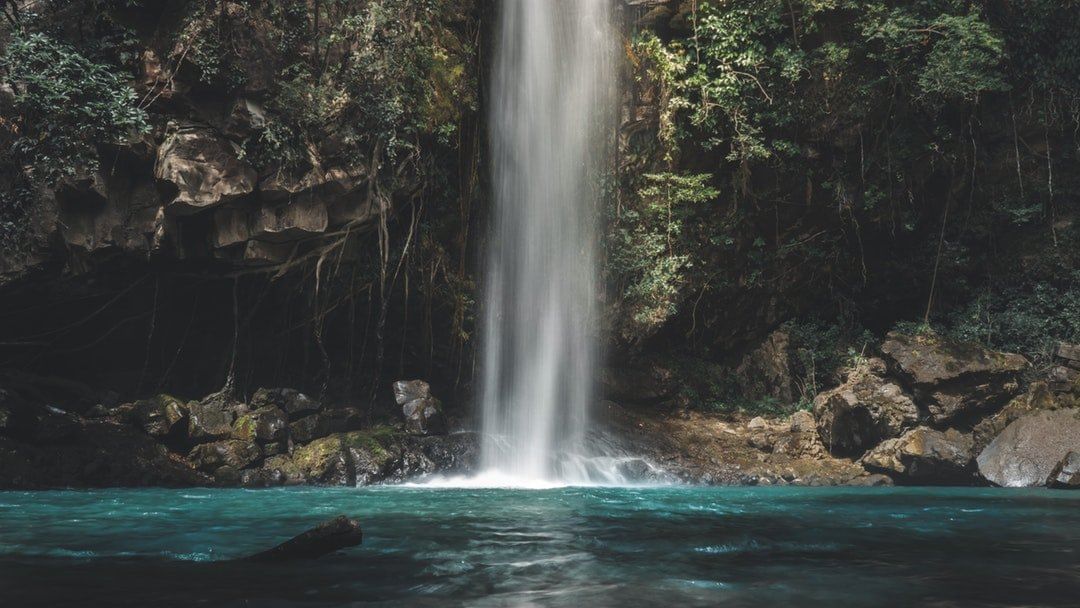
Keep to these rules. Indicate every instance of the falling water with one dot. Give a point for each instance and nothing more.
(552, 93)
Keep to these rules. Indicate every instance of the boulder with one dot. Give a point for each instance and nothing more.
(951, 379)
(321, 424)
(1028, 450)
(203, 167)
(924, 455)
(159, 415)
(267, 424)
(767, 372)
(212, 418)
(1037, 397)
(291, 401)
(1064, 376)
(423, 412)
(863, 411)
(1066, 475)
(372, 455)
(323, 461)
(209, 457)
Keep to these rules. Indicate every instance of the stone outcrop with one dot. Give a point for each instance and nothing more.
(212, 418)
(268, 424)
(924, 455)
(235, 453)
(1066, 475)
(767, 372)
(160, 415)
(863, 411)
(202, 166)
(423, 412)
(1064, 376)
(289, 400)
(1037, 397)
(1028, 450)
(953, 380)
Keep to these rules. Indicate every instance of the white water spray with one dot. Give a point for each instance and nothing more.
(552, 97)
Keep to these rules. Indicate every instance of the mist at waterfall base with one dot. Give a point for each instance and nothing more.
(552, 95)
(625, 547)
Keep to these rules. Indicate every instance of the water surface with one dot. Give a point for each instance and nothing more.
(679, 546)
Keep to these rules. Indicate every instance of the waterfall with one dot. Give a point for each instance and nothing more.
(552, 95)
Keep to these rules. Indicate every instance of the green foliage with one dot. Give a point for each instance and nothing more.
(1028, 318)
(823, 349)
(65, 106)
(649, 250)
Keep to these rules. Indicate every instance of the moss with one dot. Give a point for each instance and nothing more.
(244, 428)
(375, 441)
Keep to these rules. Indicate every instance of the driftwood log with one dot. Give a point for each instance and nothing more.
(338, 533)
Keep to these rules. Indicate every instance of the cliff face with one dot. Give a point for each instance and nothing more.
(239, 181)
(207, 195)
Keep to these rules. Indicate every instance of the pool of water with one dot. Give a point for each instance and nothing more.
(678, 546)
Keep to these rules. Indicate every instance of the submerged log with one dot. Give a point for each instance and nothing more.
(338, 533)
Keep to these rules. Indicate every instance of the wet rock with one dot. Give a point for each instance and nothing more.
(323, 461)
(1066, 475)
(423, 412)
(372, 455)
(767, 372)
(1029, 449)
(876, 480)
(54, 425)
(951, 379)
(291, 401)
(159, 415)
(334, 535)
(267, 424)
(863, 411)
(212, 418)
(309, 428)
(203, 167)
(209, 457)
(1037, 397)
(924, 455)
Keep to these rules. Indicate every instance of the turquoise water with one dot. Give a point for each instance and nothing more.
(563, 547)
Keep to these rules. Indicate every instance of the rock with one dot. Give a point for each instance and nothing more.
(212, 418)
(334, 535)
(875, 480)
(265, 425)
(323, 461)
(1037, 397)
(291, 401)
(309, 428)
(372, 455)
(951, 379)
(324, 423)
(766, 373)
(209, 457)
(159, 415)
(1064, 379)
(924, 455)
(757, 423)
(202, 166)
(863, 411)
(1026, 452)
(1068, 354)
(1066, 475)
(803, 421)
(799, 444)
(423, 412)
(101, 454)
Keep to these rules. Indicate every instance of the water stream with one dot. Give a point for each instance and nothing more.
(552, 95)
